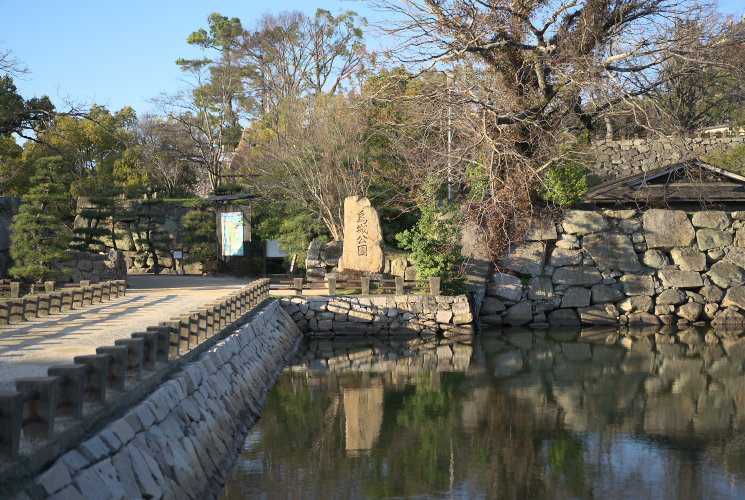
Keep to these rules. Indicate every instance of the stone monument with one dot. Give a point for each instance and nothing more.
(363, 237)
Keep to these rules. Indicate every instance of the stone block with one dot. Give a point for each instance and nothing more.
(667, 228)
(576, 296)
(525, 258)
(726, 274)
(712, 294)
(657, 259)
(636, 303)
(602, 314)
(505, 287)
(671, 296)
(708, 239)
(540, 288)
(690, 311)
(602, 294)
(519, 314)
(576, 275)
(565, 257)
(541, 230)
(643, 319)
(689, 259)
(563, 317)
(583, 222)
(491, 305)
(612, 251)
(712, 219)
(735, 297)
(680, 279)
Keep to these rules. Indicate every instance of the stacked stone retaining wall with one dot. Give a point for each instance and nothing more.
(613, 159)
(381, 315)
(181, 441)
(624, 266)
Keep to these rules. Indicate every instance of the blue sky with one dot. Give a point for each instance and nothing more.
(119, 53)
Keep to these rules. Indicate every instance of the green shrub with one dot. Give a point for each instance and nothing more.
(732, 160)
(432, 247)
(566, 185)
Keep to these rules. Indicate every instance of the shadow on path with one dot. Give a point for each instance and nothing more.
(62, 324)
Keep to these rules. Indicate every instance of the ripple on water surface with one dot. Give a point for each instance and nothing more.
(508, 414)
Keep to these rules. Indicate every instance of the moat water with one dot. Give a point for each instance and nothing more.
(504, 415)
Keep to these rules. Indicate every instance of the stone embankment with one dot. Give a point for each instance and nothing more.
(624, 266)
(181, 441)
(615, 159)
(381, 315)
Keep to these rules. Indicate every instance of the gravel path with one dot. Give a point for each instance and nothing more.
(27, 349)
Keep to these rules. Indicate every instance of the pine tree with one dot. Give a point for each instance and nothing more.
(39, 241)
(151, 237)
(100, 218)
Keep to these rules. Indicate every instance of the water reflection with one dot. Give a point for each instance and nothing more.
(510, 414)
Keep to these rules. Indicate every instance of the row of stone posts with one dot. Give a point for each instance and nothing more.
(106, 377)
(20, 309)
(399, 282)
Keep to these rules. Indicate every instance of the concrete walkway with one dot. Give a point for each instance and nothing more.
(27, 349)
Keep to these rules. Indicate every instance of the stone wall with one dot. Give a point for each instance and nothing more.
(98, 267)
(181, 441)
(380, 315)
(627, 266)
(620, 158)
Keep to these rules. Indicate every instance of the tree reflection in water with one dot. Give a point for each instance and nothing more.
(515, 414)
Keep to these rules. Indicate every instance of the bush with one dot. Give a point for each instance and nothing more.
(732, 160)
(431, 248)
(566, 185)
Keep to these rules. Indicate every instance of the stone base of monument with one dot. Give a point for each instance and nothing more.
(322, 260)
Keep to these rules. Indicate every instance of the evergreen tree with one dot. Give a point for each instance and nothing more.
(39, 238)
(151, 237)
(101, 219)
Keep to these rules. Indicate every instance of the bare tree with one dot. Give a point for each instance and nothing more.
(526, 79)
(161, 153)
(291, 55)
(9, 64)
(203, 113)
(317, 159)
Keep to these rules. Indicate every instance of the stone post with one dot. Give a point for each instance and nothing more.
(72, 385)
(15, 289)
(118, 365)
(55, 302)
(11, 414)
(365, 285)
(434, 285)
(4, 313)
(181, 341)
(66, 300)
(30, 307)
(96, 376)
(399, 285)
(150, 349)
(43, 305)
(49, 286)
(16, 310)
(135, 354)
(331, 282)
(298, 284)
(39, 404)
(164, 341)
